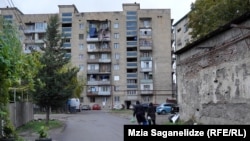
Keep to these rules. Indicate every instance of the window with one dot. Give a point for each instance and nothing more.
(80, 46)
(81, 36)
(92, 56)
(146, 23)
(145, 64)
(116, 45)
(146, 76)
(116, 88)
(92, 67)
(178, 30)
(104, 99)
(117, 56)
(81, 26)
(116, 78)
(92, 46)
(92, 99)
(131, 92)
(104, 89)
(80, 56)
(81, 67)
(39, 26)
(104, 56)
(116, 25)
(185, 28)
(116, 67)
(146, 87)
(116, 35)
(117, 99)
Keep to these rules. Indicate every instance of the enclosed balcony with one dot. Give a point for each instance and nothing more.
(98, 31)
(99, 90)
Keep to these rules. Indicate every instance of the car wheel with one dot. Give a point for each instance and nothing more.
(163, 112)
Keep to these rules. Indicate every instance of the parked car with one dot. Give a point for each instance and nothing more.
(86, 107)
(96, 107)
(164, 108)
(146, 105)
(118, 106)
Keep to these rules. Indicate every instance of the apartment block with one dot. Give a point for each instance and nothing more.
(123, 56)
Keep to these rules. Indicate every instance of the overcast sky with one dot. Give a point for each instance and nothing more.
(178, 7)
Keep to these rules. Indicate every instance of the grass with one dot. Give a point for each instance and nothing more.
(35, 125)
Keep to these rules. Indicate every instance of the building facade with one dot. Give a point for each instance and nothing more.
(123, 56)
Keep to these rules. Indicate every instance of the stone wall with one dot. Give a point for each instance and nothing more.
(214, 77)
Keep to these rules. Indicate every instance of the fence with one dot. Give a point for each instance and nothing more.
(21, 113)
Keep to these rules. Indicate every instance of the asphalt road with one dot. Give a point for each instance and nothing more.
(92, 126)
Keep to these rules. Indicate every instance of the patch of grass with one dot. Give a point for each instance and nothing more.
(35, 125)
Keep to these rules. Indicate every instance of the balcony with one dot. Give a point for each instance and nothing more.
(146, 44)
(98, 71)
(146, 81)
(147, 69)
(106, 60)
(131, 54)
(98, 36)
(98, 93)
(131, 75)
(108, 49)
(146, 58)
(99, 82)
(132, 65)
(147, 92)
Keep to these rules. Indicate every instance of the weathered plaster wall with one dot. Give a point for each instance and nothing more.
(214, 81)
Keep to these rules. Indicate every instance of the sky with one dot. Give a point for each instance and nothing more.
(179, 8)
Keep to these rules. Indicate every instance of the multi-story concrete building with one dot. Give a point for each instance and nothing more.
(124, 56)
(181, 31)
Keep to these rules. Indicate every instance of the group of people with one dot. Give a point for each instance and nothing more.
(144, 117)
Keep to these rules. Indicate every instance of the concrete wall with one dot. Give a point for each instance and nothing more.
(214, 77)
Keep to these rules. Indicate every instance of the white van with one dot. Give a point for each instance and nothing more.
(75, 102)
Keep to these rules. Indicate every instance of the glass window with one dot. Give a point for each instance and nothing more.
(80, 46)
(116, 35)
(116, 45)
(80, 56)
(81, 36)
(117, 98)
(81, 26)
(116, 78)
(81, 67)
(131, 13)
(117, 56)
(67, 14)
(116, 25)
(116, 67)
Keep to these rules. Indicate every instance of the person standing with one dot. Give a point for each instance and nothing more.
(139, 113)
(151, 116)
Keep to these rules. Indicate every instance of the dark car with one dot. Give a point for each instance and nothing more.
(96, 107)
(86, 107)
(146, 105)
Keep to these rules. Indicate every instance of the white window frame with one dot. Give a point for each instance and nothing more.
(116, 25)
(116, 35)
(116, 45)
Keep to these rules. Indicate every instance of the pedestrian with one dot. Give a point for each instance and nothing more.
(151, 116)
(139, 113)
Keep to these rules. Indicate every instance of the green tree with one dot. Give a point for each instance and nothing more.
(208, 15)
(53, 86)
(14, 67)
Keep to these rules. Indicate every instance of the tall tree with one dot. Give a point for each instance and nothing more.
(208, 15)
(14, 67)
(54, 87)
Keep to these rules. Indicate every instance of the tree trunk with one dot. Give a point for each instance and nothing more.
(47, 114)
